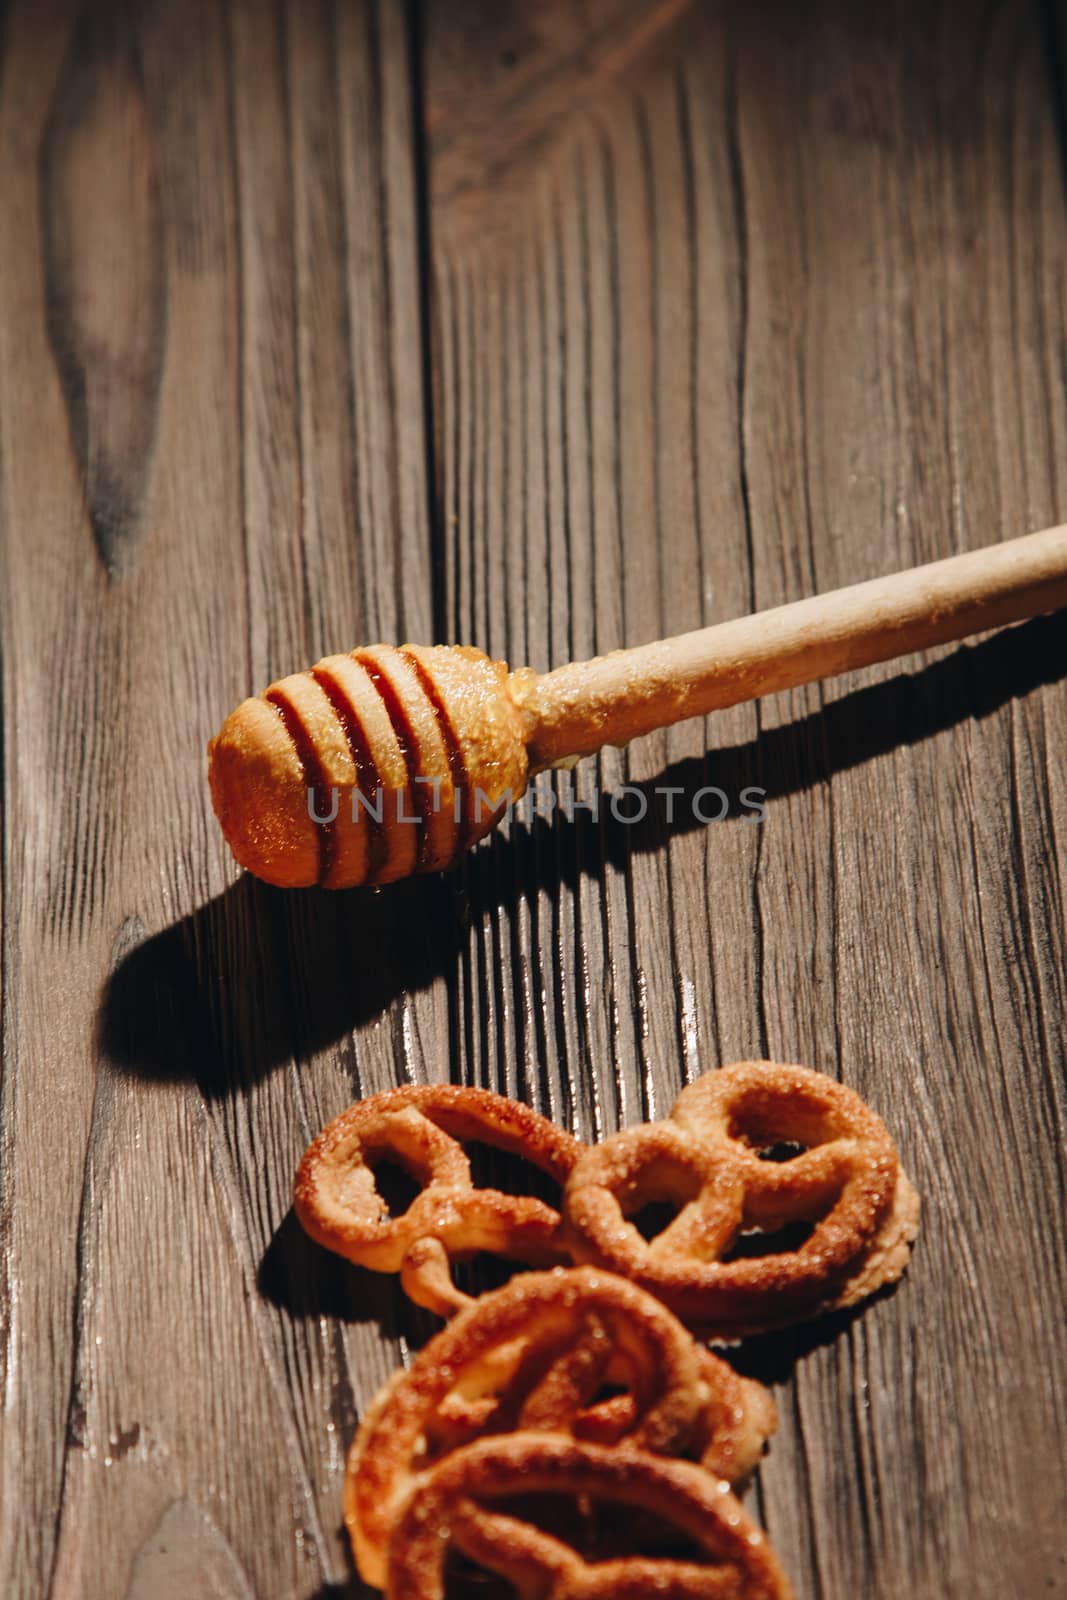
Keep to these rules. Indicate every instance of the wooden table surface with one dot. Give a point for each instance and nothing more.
(547, 328)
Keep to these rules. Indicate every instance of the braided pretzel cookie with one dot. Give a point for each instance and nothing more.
(708, 1159)
(419, 1128)
(534, 1356)
(651, 1527)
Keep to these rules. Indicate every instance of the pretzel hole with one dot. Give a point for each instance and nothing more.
(653, 1218)
(465, 1579)
(607, 1393)
(657, 1194)
(755, 1242)
(510, 1173)
(600, 1528)
(397, 1186)
(772, 1125)
(483, 1272)
(782, 1150)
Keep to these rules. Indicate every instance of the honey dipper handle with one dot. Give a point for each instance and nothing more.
(614, 698)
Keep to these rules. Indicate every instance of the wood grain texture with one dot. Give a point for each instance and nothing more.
(772, 307)
(104, 274)
(176, 1398)
(719, 306)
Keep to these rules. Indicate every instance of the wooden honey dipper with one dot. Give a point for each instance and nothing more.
(386, 762)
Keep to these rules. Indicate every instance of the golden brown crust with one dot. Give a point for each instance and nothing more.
(534, 1356)
(421, 1127)
(738, 1419)
(705, 1160)
(579, 1383)
(476, 1501)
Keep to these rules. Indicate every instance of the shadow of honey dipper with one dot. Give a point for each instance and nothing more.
(258, 977)
(385, 762)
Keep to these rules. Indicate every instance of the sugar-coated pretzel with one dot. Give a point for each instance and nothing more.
(420, 1127)
(707, 1159)
(482, 1502)
(534, 1356)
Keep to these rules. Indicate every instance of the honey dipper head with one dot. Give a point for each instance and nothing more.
(368, 767)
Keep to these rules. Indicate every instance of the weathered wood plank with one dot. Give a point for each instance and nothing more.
(727, 305)
(210, 350)
(743, 303)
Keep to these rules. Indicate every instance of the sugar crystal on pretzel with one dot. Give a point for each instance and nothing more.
(423, 1127)
(535, 1356)
(707, 1159)
(671, 1529)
